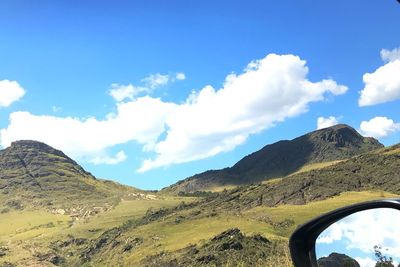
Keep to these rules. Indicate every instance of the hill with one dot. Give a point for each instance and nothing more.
(283, 158)
(248, 224)
(33, 174)
(195, 233)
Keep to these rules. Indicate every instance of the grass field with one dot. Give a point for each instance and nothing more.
(26, 233)
(316, 166)
(30, 232)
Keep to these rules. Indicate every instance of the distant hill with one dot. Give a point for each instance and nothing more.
(337, 260)
(373, 171)
(283, 158)
(33, 174)
(190, 234)
(248, 225)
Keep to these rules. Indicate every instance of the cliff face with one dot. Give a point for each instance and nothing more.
(284, 157)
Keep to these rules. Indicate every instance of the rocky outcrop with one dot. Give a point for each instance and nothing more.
(229, 248)
(337, 260)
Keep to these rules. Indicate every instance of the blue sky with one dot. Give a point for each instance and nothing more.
(150, 92)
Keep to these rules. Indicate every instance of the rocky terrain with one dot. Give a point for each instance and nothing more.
(337, 260)
(283, 158)
(54, 213)
(33, 174)
(229, 248)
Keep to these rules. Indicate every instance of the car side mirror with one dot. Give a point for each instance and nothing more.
(361, 235)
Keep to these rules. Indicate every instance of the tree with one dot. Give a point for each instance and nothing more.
(382, 260)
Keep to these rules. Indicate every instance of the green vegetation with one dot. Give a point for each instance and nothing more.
(91, 222)
(125, 236)
(34, 175)
(317, 149)
(29, 233)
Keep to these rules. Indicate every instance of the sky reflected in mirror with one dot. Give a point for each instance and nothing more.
(358, 235)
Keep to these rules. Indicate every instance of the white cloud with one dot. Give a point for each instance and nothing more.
(121, 92)
(366, 262)
(153, 81)
(379, 127)
(141, 120)
(390, 55)
(156, 80)
(383, 85)
(119, 157)
(180, 76)
(326, 122)
(212, 121)
(56, 109)
(363, 230)
(10, 91)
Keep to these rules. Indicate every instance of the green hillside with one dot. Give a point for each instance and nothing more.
(248, 225)
(283, 158)
(33, 174)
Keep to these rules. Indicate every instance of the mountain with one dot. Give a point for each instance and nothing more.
(247, 225)
(378, 170)
(33, 174)
(203, 233)
(283, 158)
(337, 260)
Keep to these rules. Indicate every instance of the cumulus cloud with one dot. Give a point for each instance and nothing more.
(382, 85)
(129, 92)
(121, 92)
(363, 230)
(119, 157)
(10, 91)
(141, 120)
(212, 120)
(390, 55)
(326, 122)
(366, 262)
(180, 76)
(379, 127)
(156, 80)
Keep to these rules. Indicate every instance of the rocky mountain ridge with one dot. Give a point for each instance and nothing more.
(33, 174)
(283, 158)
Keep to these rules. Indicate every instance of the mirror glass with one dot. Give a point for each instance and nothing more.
(369, 238)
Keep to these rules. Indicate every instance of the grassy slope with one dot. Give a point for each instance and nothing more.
(32, 232)
(26, 233)
(167, 235)
(305, 168)
(25, 238)
(283, 158)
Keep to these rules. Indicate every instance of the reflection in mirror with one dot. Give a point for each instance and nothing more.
(369, 238)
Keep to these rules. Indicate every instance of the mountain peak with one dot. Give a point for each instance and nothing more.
(34, 174)
(29, 144)
(341, 135)
(30, 152)
(25, 145)
(339, 128)
(285, 157)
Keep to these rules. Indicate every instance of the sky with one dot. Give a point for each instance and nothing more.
(357, 235)
(147, 93)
